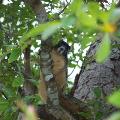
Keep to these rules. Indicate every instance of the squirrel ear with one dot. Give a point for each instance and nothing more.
(63, 43)
(69, 47)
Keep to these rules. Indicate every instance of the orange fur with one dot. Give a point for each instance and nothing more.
(59, 72)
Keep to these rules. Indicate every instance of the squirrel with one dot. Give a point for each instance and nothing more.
(59, 69)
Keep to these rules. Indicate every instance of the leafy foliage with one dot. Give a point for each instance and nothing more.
(115, 98)
(104, 49)
(79, 24)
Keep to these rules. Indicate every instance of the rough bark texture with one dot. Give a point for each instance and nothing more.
(104, 76)
(39, 10)
(28, 87)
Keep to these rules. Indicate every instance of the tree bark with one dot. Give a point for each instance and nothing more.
(104, 77)
(28, 87)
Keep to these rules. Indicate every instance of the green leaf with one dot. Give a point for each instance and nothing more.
(17, 82)
(50, 29)
(86, 20)
(2, 56)
(42, 28)
(86, 40)
(85, 114)
(115, 98)
(97, 92)
(75, 6)
(72, 65)
(94, 8)
(104, 16)
(3, 104)
(68, 21)
(114, 116)
(104, 50)
(115, 15)
(14, 55)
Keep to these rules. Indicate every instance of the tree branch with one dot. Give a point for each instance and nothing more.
(53, 105)
(75, 84)
(28, 87)
(64, 8)
(72, 105)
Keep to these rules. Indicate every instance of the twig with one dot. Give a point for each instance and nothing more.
(64, 8)
(73, 69)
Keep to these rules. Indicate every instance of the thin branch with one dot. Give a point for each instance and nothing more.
(118, 4)
(73, 69)
(64, 8)
(1, 1)
(75, 84)
(28, 87)
(58, 14)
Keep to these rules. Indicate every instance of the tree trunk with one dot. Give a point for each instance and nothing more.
(103, 77)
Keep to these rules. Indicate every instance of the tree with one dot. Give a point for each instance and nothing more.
(80, 22)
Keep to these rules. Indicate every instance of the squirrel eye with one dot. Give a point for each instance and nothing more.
(61, 49)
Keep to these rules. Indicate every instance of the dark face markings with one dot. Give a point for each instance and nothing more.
(62, 48)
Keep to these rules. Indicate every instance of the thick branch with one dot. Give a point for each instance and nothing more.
(72, 105)
(118, 4)
(75, 84)
(28, 87)
(1, 1)
(39, 10)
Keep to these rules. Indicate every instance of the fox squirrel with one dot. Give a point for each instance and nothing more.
(59, 62)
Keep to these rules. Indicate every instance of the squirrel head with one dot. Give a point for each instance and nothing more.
(62, 48)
